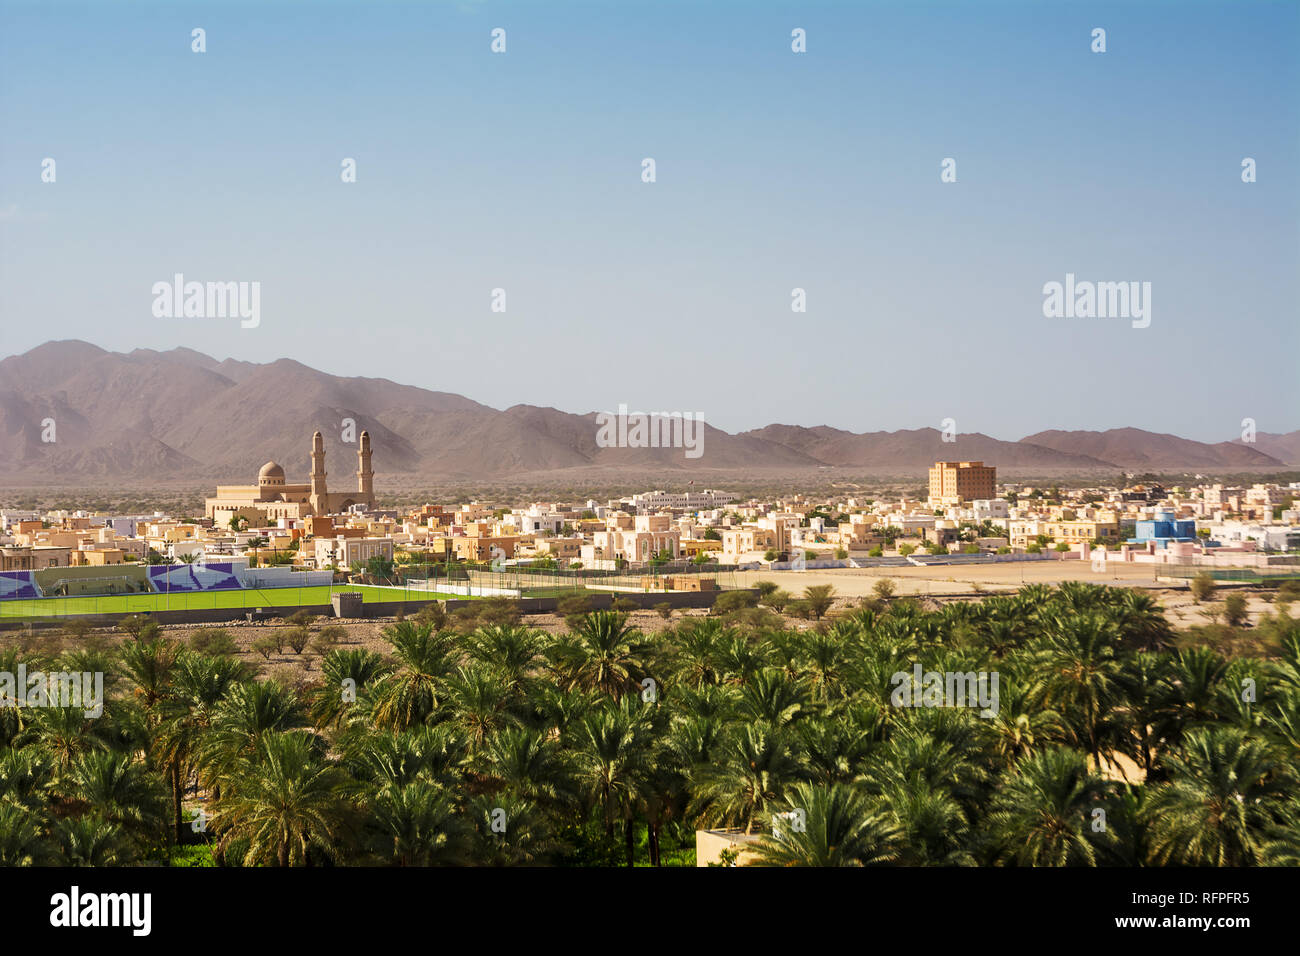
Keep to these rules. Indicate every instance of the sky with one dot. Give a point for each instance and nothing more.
(774, 170)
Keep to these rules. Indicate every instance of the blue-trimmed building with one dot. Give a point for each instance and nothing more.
(1164, 528)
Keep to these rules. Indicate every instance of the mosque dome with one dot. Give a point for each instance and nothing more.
(270, 472)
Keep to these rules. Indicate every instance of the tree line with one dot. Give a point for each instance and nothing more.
(493, 743)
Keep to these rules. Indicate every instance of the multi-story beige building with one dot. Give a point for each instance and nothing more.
(343, 552)
(747, 543)
(955, 482)
(630, 538)
(1083, 529)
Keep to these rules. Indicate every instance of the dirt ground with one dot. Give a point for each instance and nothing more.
(964, 581)
(935, 586)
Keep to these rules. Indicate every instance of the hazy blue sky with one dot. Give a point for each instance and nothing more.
(775, 171)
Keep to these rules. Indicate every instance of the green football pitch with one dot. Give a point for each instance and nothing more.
(249, 598)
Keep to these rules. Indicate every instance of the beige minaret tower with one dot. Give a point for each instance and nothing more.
(365, 474)
(319, 499)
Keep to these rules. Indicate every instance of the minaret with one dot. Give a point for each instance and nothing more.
(319, 502)
(365, 474)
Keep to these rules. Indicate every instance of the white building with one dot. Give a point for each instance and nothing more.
(650, 501)
(344, 552)
(985, 508)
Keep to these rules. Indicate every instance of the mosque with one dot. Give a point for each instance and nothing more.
(273, 498)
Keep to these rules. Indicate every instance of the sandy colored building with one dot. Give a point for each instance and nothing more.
(343, 552)
(955, 482)
(1082, 529)
(711, 844)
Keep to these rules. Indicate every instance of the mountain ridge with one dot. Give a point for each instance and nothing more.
(183, 414)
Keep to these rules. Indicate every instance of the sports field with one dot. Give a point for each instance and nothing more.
(250, 598)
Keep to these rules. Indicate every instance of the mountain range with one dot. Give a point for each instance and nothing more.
(180, 414)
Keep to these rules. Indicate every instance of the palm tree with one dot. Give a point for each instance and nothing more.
(199, 684)
(65, 733)
(837, 747)
(1148, 708)
(752, 770)
(932, 825)
(694, 649)
(286, 801)
(25, 777)
(1142, 621)
(148, 665)
(601, 655)
(528, 764)
(772, 697)
(739, 658)
(509, 831)
(120, 790)
(1042, 816)
(827, 655)
(1078, 674)
(828, 826)
(514, 652)
(480, 700)
(22, 838)
(1195, 678)
(1021, 725)
(611, 744)
(92, 841)
(434, 754)
(409, 695)
(417, 824)
(247, 713)
(346, 674)
(1226, 795)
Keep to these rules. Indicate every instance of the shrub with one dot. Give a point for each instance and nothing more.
(884, 588)
(777, 600)
(433, 614)
(1034, 548)
(301, 618)
(906, 549)
(798, 608)
(133, 625)
(1289, 591)
(841, 554)
(729, 601)
(1202, 586)
(297, 638)
(1062, 547)
(877, 552)
(765, 588)
(971, 549)
(214, 641)
(77, 630)
(624, 605)
(665, 610)
(498, 610)
(573, 608)
(328, 638)
(770, 555)
(266, 646)
(1004, 550)
(754, 618)
(1234, 610)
